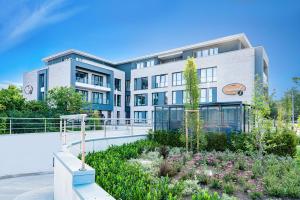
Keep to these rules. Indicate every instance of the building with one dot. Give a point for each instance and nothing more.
(227, 68)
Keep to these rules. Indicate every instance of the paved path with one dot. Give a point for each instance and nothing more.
(34, 187)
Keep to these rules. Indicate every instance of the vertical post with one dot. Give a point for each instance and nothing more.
(198, 129)
(105, 121)
(60, 129)
(65, 131)
(82, 144)
(186, 132)
(10, 126)
(131, 121)
(45, 125)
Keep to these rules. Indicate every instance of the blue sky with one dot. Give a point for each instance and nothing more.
(116, 29)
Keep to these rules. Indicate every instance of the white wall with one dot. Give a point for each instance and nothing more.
(31, 79)
(232, 67)
(59, 75)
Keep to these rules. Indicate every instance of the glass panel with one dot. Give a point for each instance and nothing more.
(210, 95)
(205, 52)
(203, 96)
(203, 76)
(209, 73)
(214, 74)
(216, 51)
(211, 51)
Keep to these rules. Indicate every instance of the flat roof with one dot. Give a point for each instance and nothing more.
(242, 37)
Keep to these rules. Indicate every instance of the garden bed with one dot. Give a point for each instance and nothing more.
(146, 170)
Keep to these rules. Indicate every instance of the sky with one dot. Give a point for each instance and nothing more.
(115, 30)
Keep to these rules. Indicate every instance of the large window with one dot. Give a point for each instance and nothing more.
(208, 75)
(119, 100)
(82, 77)
(118, 84)
(140, 116)
(207, 52)
(178, 79)
(97, 98)
(178, 97)
(160, 81)
(159, 98)
(140, 100)
(84, 93)
(97, 80)
(208, 95)
(141, 83)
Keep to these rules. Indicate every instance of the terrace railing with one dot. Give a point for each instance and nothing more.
(46, 125)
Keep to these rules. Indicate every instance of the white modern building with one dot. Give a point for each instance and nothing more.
(227, 68)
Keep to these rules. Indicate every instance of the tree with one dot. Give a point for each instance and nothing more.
(259, 112)
(64, 100)
(11, 99)
(192, 100)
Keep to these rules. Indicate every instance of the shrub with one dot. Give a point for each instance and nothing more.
(164, 151)
(242, 142)
(168, 138)
(203, 178)
(216, 141)
(283, 144)
(215, 184)
(205, 195)
(256, 195)
(167, 169)
(229, 188)
(282, 177)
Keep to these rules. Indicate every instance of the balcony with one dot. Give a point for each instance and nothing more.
(104, 87)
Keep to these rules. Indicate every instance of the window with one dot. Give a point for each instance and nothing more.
(140, 99)
(97, 80)
(178, 97)
(208, 95)
(119, 100)
(140, 116)
(178, 79)
(42, 80)
(140, 65)
(207, 52)
(82, 77)
(150, 63)
(141, 83)
(127, 100)
(127, 85)
(203, 95)
(97, 98)
(208, 75)
(160, 81)
(118, 84)
(84, 94)
(159, 98)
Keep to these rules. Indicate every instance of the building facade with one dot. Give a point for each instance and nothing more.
(226, 67)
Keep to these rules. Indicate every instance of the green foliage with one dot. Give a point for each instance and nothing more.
(168, 138)
(64, 100)
(216, 141)
(229, 188)
(11, 99)
(205, 195)
(283, 144)
(127, 181)
(255, 195)
(242, 142)
(3, 122)
(281, 177)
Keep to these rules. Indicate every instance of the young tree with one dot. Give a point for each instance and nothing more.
(64, 100)
(259, 112)
(11, 99)
(192, 100)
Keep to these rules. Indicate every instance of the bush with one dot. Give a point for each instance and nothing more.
(242, 142)
(205, 195)
(283, 144)
(229, 188)
(281, 177)
(125, 180)
(169, 138)
(216, 141)
(256, 195)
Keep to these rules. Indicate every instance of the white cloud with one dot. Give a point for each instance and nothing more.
(21, 20)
